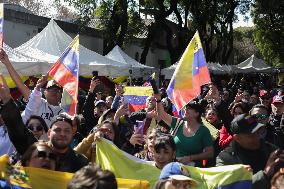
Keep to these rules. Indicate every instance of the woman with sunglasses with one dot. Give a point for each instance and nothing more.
(39, 155)
(37, 125)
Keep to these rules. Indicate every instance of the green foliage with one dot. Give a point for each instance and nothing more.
(269, 32)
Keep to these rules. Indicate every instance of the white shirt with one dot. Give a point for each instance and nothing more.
(40, 107)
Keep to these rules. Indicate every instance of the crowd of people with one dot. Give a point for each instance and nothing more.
(247, 114)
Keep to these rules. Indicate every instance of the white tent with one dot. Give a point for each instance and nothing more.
(253, 65)
(214, 68)
(24, 65)
(51, 42)
(138, 69)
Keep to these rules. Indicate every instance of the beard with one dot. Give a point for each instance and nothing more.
(60, 145)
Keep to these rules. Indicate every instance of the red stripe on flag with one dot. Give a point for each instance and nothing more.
(134, 108)
(64, 77)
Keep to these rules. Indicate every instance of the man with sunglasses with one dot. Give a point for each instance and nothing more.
(248, 148)
(60, 134)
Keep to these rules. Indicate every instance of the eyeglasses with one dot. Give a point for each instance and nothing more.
(44, 154)
(63, 117)
(35, 127)
(260, 116)
(54, 90)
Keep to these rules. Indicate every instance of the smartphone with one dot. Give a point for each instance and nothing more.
(139, 127)
(100, 87)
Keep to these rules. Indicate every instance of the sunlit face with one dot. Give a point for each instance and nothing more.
(60, 135)
(35, 126)
(53, 95)
(109, 100)
(164, 156)
(42, 157)
(211, 116)
(151, 103)
(150, 141)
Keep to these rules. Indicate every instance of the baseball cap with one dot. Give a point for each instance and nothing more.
(278, 99)
(176, 171)
(100, 102)
(52, 83)
(245, 124)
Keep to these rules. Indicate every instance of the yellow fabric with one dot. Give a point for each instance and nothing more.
(46, 179)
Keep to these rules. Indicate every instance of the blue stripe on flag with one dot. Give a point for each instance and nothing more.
(70, 59)
(135, 100)
(198, 61)
(237, 185)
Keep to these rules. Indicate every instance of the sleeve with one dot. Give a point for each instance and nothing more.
(115, 102)
(88, 112)
(33, 105)
(20, 136)
(206, 138)
(260, 181)
(225, 137)
(85, 145)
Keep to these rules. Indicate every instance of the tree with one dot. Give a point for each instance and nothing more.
(35, 6)
(268, 17)
(244, 45)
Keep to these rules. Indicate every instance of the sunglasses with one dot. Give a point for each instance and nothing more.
(35, 127)
(260, 116)
(64, 118)
(44, 154)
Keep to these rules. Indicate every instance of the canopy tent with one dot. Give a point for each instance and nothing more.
(253, 65)
(138, 69)
(24, 65)
(50, 43)
(214, 68)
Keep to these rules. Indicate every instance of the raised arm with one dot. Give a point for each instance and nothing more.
(14, 75)
(20, 136)
(162, 115)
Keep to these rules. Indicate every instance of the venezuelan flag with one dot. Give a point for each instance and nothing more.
(66, 72)
(137, 96)
(126, 166)
(18, 177)
(191, 73)
(1, 24)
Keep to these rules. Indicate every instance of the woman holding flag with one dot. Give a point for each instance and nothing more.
(192, 139)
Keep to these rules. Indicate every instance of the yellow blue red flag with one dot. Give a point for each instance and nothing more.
(66, 73)
(137, 96)
(18, 177)
(191, 73)
(1, 24)
(126, 166)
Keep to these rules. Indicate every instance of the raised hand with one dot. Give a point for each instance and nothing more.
(41, 82)
(274, 159)
(94, 84)
(119, 90)
(4, 57)
(5, 95)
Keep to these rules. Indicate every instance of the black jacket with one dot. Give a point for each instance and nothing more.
(257, 159)
(22, 138)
